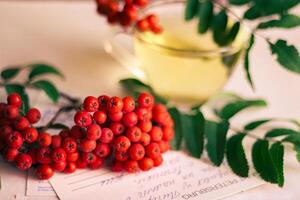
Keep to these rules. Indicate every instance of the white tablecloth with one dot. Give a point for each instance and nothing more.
(70, 35)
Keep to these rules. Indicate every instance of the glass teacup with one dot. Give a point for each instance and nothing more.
(180, 64)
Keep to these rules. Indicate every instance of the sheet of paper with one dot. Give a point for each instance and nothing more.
(180, 177)
(36, 187)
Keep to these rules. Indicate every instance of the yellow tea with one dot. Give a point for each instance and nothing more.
(183, 65)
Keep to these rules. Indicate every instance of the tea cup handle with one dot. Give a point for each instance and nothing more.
(123, 54)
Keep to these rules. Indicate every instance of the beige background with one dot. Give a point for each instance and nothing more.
(71, 35)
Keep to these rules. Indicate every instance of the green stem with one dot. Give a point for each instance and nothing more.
(61, 110)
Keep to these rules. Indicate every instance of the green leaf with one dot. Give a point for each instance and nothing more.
(216, 140)
(239, 2)
(193, 130)
(58, 126)
(48, 88)
(176, 116)
(205, 15)
(42, 69)
(294, 139)
(14, 87)
(255, 124)
(246, 61)
(287, 55)
(277, 153)
(236, 155)
(286, 21)
(9, 73)
(233, 108)
(135, 86)
(26, 105)
(219, 25)
(233, 32)
(252, 13)
(259, 9)
(191, 9)
(280, 132)
(263, 162)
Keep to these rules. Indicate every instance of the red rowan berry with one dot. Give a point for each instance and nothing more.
(136, 152)
(142, 25)
(158, 160)
(115, 116)
(117, 166)
(14, 99)
(88, 157)
(168, 133)
(82, 118)
(93, 132)
(44, 172)
(156, 29)
(56, 141)
(33, 115)
(76, 132)
(11, 112)
(130, 11)
(43, 155)
(32, 153)
(2, 145)
(156, 134)
(59, 166)
(115, 104)
(122, 143)
(69, 145)
(143, 114)
(5, 130)
(145, 126)
(81, 164)
(44, 139)
(103, 101)
(121, 155)
(146, 164)
(70, 168)
(145, 139)
(87, 145)
(72, 157)
(117, 128)
(10, 154)
(163, 146)
(100, 117)
(134, 134)
(153, 150)
(97, 163)
(64, 133)
(102, 150)
(140, 3)
(130, 119)
(21, 123)
(152, 20)
(30, 135)
(145, 100)
(14, 140)
(23, 161)
(128, 104)
(90, 104)
(131, 166)
(58, 155)
(106, 136)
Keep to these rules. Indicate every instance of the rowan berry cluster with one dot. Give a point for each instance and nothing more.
(111, 128)
(125, 13)
(133, 136)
